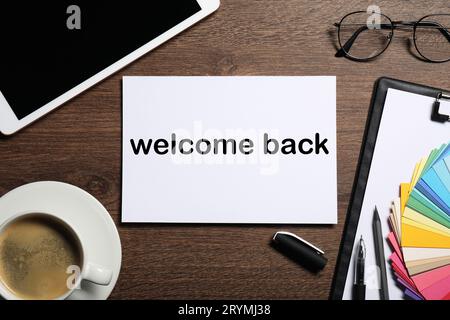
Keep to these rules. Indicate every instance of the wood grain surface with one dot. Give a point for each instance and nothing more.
(81, 144)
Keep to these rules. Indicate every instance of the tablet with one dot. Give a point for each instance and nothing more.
(53, 51)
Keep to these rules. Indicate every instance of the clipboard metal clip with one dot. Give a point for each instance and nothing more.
(437, 116)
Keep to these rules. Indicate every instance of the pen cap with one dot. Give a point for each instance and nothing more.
(300, 251)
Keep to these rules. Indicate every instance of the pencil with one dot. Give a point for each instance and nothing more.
(379, 253)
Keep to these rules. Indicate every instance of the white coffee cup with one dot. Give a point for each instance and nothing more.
(89, 271)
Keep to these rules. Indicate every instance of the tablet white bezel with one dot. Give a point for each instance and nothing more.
(10, 124)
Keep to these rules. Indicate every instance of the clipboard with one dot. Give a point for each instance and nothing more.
(436, 115)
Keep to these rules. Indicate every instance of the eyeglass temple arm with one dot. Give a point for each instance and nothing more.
(439, 26)
(342, 52)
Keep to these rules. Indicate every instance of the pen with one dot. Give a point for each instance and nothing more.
(359, 287)
(379, 253)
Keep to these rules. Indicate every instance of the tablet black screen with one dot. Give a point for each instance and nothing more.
(50, 47)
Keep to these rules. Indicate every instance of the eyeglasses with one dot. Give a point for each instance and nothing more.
(364, 36)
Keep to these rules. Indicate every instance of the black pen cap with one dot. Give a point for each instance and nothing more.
(300, 251)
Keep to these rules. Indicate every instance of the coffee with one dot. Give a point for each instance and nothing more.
(35, 254)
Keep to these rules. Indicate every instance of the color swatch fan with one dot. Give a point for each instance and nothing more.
(420, 223)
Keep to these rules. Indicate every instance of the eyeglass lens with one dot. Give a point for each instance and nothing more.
(365, 36)
(432, 37)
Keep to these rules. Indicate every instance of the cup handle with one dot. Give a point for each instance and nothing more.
(97, 274)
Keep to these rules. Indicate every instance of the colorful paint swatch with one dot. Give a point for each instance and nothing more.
(420, 224)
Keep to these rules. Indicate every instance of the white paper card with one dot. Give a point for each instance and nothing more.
(229, 150)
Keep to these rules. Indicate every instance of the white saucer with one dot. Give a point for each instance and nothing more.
(84, 213)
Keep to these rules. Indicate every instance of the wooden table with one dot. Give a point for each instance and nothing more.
(81, 144)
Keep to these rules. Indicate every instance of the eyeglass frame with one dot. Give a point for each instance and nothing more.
(342, 51)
